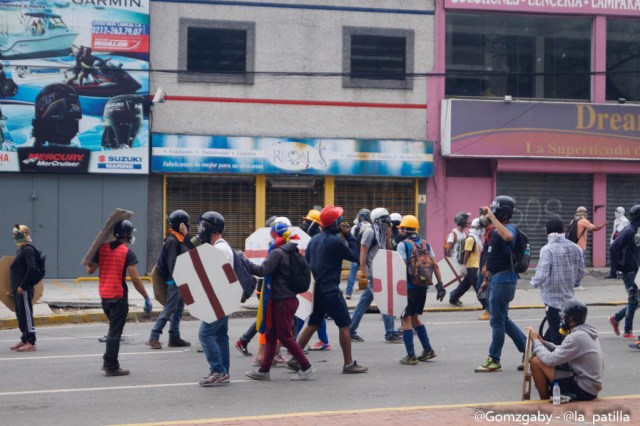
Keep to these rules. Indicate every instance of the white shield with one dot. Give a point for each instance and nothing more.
(207, 283)
(389, 282)
(450, 271)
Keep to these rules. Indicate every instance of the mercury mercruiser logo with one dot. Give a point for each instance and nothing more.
(43, 159)
(53, 159)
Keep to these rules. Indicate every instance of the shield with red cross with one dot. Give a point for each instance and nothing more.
(450, 271)
(389, 282)
(207, 283)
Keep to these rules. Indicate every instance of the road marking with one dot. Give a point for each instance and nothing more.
(29, 358)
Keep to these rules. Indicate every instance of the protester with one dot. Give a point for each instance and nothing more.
(361, 222)
(580, 349)
(458, 233)
(115, 261)
(619, 224)
(559, 267)
(24, 276)
(469, 268)
(582, 226)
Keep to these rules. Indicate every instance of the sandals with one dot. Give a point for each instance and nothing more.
(27, 347)
(18, 346)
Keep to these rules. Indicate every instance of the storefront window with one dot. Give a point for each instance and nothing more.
(623, 59)
(493, 55)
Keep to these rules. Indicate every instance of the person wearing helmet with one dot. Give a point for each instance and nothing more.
(396, 236)
(175, 244)
(624, 253)
(86, 65)
(502, 280)
(619, 223)
(24, 276)
(372, 239)
(416, 296)
(115, 261)
(361, 222)
(582, 226)
(214, 337)
(325, 253)
(559, 266)
(459, 233)
(311, 223)
(470, 263)
(580, 349)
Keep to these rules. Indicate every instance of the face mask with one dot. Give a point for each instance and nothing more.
(564, 327)
(618, 215)
(133, 240)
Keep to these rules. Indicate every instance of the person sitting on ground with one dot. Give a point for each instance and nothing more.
(580, 350)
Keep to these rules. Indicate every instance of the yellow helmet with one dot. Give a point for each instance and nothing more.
(410, 221)
(314, 216)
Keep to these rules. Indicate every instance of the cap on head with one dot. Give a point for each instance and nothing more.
(279, 229)
(282, 219)
(582, 210)
(330, 215)
(21, 234)
(410, 221)
(364, 215)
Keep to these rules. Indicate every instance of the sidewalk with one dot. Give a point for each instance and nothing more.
(67, 301)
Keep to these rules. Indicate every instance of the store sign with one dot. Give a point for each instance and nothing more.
(627, 8)
(77, 78)
(249, 155)
(540, 129)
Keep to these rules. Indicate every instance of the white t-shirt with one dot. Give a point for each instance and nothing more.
(224, 246)
(459, 235)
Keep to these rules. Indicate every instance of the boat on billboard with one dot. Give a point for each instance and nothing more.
(74, 86)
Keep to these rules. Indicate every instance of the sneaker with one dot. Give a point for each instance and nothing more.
(395, 339)
(614, 324)
(256, 362)
(489, 366)
(27, 347)
(356, 338)
(199, 349)
(279, 361)
(154, 344)
(409, 360)
(485, 316)
(624, 336)
(178, 343)
(118, 372)
(354, 368)
(635, 345)
(258, 375)
(292, 365)
(320, 346)
(427, 355)
(304, 374)
(455, 303)
(18, 346)
(215, 379)
(242, 347)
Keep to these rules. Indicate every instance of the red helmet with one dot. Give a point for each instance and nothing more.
(330, 215)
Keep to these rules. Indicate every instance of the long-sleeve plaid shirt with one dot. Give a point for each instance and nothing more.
(559, 267)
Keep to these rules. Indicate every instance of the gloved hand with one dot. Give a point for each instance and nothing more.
(147, 304)
(463, 271)
(441, 292)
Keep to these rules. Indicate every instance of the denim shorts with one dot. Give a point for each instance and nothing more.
(332, 304)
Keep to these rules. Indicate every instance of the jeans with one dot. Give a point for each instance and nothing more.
(500, 294)
(584, 262)
(628, 278)
(173, 308)
(249, 334)
(322, 330)
(353, 272)
(116, 311)
(482, 295)
(363, 304)
(214, 338)
(281, 323)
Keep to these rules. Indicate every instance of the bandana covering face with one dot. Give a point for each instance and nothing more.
(21, 235)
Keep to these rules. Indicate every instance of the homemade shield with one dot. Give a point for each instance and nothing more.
(159, 286)
(389, 282)
(106, 233)
(6, 295)
(449, 271)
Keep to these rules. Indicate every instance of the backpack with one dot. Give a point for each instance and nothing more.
(521, 254)
(572, 232)
(245, 277)
(420, 264)
(444, 245)
(40, 265)
(461, 245)
(300, 273)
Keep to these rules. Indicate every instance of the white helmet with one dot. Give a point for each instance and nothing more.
(282, 219)
(379, 212)
(396, 217)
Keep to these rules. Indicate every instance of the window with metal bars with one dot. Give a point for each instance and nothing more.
(293, 196)
(231, 196)
(395, 195)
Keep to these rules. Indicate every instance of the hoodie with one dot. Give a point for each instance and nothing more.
(581, 350)
(624, 250)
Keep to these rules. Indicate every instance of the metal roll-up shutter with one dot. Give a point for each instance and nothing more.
(542, 196)
(395, 195)
(231, 196)
(294, 196)
(622, 190)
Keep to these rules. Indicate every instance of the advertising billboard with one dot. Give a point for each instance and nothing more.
(74, 86)
(257, 155)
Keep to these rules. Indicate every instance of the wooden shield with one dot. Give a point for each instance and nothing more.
(6, 295)
(207, 283)
(106, 233)
(450, 271)
(389, 282)
(159, 286)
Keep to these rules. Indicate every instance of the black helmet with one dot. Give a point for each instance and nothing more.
(57, 113)
(461, 218)
(502, 207)
(124, 230)
(634, 213)
(574, 311)
(123, 117)
(210, 223)
(177, 217)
